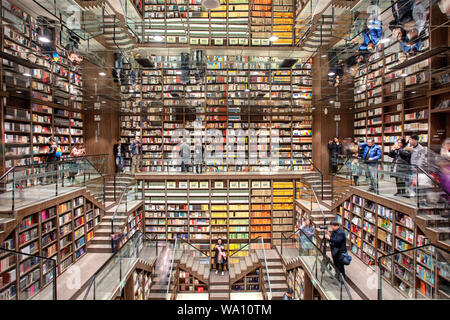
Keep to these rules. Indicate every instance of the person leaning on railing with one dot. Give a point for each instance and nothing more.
(307, 236)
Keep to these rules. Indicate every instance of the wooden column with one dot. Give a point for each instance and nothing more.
(324, 126)
(100, 136)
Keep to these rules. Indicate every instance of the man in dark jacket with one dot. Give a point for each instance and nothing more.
(336, 151)
(338, 245)
(400, 165)
(51, 166)
(402, 12)
(119, 153)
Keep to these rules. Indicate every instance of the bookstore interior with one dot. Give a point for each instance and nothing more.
(225, 150)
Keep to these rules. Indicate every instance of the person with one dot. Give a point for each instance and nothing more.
(371, 35)
(336, 151)
(337, 245)
(119, 153)
(136, 155)
(76, 152)
(307, 236)
(372, 153)
(220, 256)
(288, 294)
(400, 165)
(418, 152)
(361, 148)
(199, 151)
(444, 172)
(356, 172)
(402, 13)
(185, 155)
(51, 160)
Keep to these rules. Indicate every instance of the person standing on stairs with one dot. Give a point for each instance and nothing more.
(307, 236)
(220, 256)
(136, 155)
(337, 245)
(119, 153)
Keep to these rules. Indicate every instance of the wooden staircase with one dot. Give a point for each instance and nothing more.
(277, 274)
(195, 267)
(219, 286)
(122, 180)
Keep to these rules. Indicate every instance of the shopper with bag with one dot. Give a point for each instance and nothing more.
(338, 247)
(220, 256)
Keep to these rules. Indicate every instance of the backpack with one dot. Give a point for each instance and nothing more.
(58, 153)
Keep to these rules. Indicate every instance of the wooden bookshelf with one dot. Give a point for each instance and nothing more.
(161, 109)
(44, 96)
(396, 97)
(203, 209)
(374, 229)
(236, 23)
(251, 282)
(60, 232)
(188, 283)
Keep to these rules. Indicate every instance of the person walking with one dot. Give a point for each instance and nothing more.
(76, 152)
(372, 154)
(336, 151)
(136, 155)
(307, 236)
(185, 155)
(400, 165)
(199, 151)
(119, 153)
(337, 245)
(220, 256)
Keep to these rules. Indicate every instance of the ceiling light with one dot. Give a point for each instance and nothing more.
(103, 101)
(102, 74)
(158, 38)
(331, 101)
(413, 91)
(210, 4)
(324, 56)
(404, 74)
(331, 73)
(273, 38)
(18, 91)
(44, 39)
(26, 74)
(385, 40)
(247, 90)
(359, 91)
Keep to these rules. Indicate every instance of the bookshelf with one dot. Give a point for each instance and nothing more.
(233, 23)
(60, 232)
(374, 229)
(221, 105)
(44, 95)
(296, 281)
(393, 102)
(202, 211)
(249, 283)
(188, 283)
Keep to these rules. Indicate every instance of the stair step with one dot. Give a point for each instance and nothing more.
(278, 286)
(99, 248)
(218, 288)
(157, 296)
(277, 295)
(276, 272)
(190, 262)
(277, 279)
(219, 296)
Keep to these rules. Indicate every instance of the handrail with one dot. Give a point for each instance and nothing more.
(125, 190)
(197, 249)
(171, 268)
(7, 172)
(324, 255)
(267, 269)
(105, 264)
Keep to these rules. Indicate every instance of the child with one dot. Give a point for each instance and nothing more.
(355, 171)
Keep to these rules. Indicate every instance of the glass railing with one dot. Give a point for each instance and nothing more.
(255, 248)
(21, 186)
(418, 273)
(23, 276)
(131, 197)
(408, 184)
(113, 274)
(319, 265)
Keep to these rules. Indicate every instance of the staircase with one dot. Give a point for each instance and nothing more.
(122, 180)
(117, 34)
(313, 179)
(101, 242)
(435, 224)
(160, 281)
(195, 267)
(277, 274)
